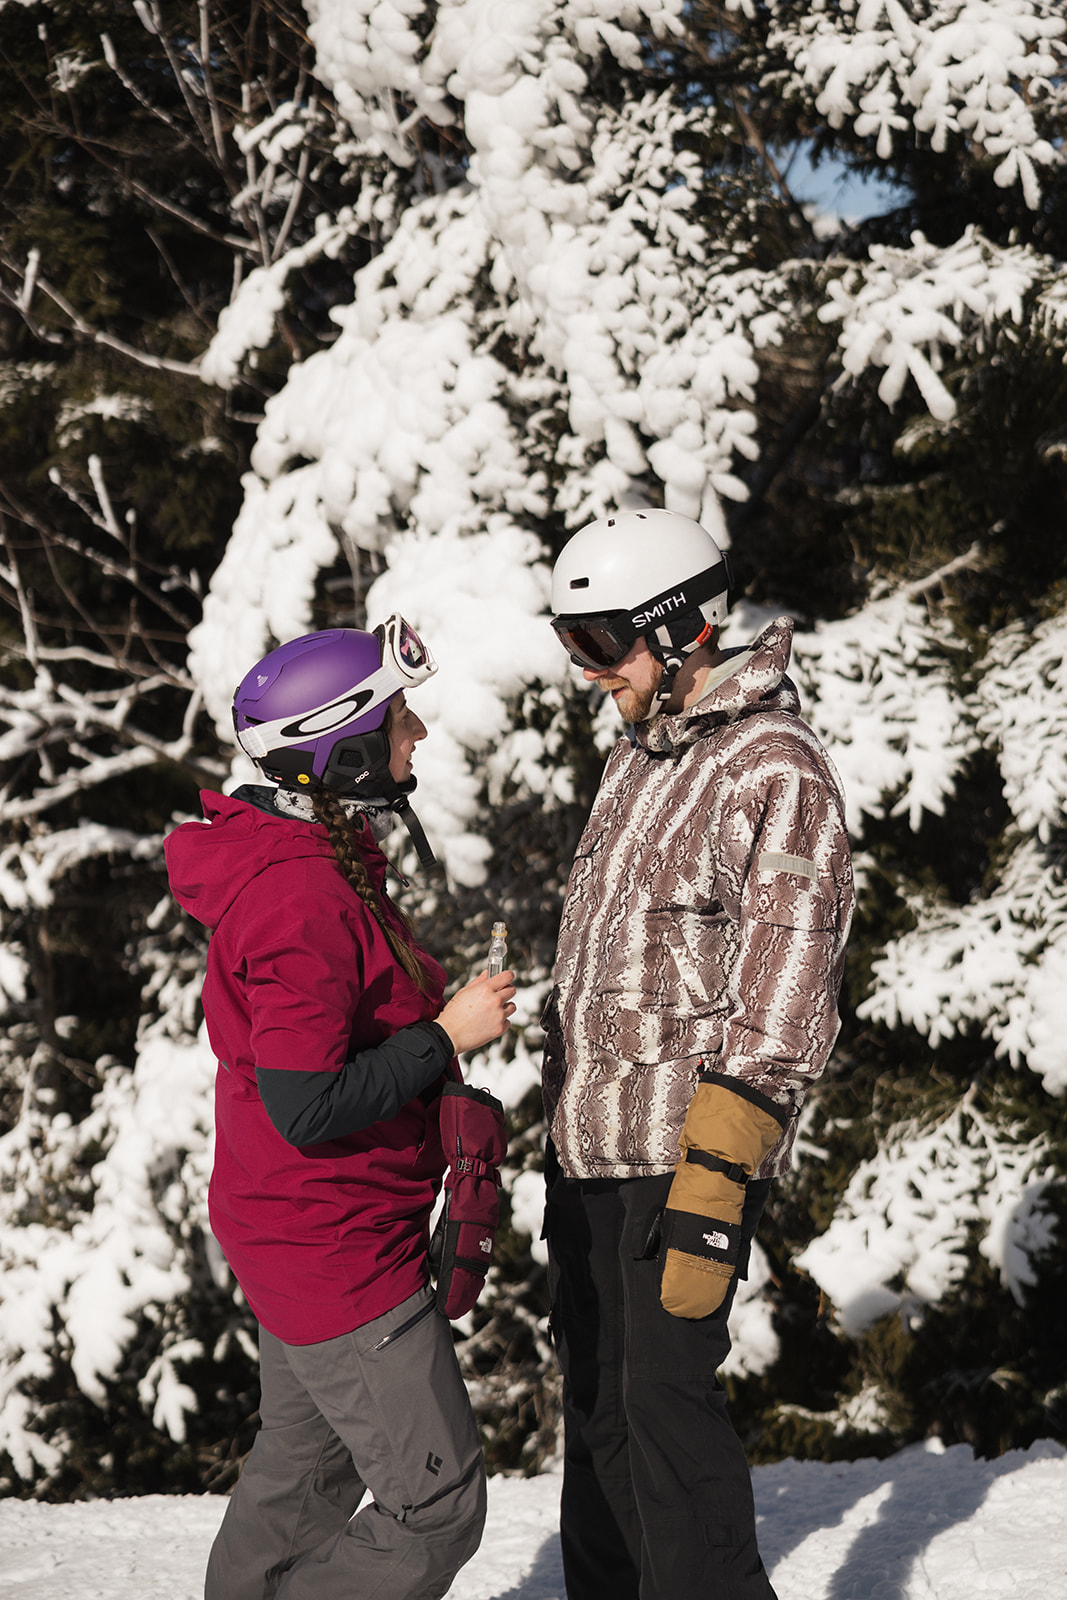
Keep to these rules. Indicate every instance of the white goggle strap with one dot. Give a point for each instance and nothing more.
(285, 732)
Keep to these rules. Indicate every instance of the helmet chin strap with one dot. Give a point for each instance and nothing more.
(377, 783)
(402, 806)
(396, 798)
(673, 653)
(672, 664)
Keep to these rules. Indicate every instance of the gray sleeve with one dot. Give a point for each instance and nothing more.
(313, 1107)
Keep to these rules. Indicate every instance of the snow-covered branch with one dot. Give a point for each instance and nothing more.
(880, 691)
(254, 144)
(899, 1239)
(998, 964)
(1021, 697)
(93, 712)
(910, 311)
(248, 322)
(971, 69)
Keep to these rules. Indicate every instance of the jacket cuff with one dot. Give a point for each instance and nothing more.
(745, 1091)
(441, 1037)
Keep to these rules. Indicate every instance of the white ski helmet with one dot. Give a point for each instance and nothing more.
(639, 574)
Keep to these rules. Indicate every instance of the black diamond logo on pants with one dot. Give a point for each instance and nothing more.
(434, 1463)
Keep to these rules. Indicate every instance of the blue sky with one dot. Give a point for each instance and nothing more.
(834, 189)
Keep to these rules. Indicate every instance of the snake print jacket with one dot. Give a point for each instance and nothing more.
(705, 920)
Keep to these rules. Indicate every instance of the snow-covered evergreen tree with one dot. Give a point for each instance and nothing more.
(476, 272)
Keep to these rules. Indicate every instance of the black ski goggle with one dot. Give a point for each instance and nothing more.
(596, 642)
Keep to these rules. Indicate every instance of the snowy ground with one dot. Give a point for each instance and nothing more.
(920, 1526)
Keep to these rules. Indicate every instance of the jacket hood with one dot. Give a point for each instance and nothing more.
(756, 681)
(210, 862)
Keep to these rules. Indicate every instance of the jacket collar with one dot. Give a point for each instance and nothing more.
(276, 803)
(753, 679)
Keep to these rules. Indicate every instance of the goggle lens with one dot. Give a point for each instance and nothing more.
(410, 648)
(591, 644)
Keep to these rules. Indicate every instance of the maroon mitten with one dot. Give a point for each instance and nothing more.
(474, 1141)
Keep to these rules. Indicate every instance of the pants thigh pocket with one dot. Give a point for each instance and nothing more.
(393, 1326)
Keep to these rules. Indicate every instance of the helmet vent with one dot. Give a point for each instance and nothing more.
(579, 583)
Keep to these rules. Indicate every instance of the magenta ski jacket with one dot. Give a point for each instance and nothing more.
(327, 1157)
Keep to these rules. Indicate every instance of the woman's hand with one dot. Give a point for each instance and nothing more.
(479, 1012)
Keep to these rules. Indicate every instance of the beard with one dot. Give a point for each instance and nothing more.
(633, 705)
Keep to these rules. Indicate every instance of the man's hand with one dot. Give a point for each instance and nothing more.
(728, 1130)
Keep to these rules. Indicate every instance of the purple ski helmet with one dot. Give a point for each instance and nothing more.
(312, 712)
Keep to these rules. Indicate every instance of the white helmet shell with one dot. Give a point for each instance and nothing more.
(626, 560)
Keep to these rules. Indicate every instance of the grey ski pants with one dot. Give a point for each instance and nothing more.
(382, 1409)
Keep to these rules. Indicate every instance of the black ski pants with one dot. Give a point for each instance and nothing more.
(657, 1496)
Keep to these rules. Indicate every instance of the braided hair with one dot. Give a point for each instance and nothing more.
(331, 813)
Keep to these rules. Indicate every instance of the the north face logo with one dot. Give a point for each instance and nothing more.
(486, 1246)
(715, 1241)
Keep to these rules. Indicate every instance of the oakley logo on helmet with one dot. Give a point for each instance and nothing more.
(325, 718)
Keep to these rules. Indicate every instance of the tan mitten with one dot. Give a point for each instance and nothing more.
(729, 1128)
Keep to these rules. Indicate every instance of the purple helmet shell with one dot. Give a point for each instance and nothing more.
(319, 673)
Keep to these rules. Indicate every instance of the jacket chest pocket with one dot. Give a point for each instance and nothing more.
(698, 943)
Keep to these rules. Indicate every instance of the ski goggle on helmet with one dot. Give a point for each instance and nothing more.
(312, 711)
(648, 574)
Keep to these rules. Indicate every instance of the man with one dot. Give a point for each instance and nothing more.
(699, 960)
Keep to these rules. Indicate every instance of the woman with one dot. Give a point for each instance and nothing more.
(333, 1045)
